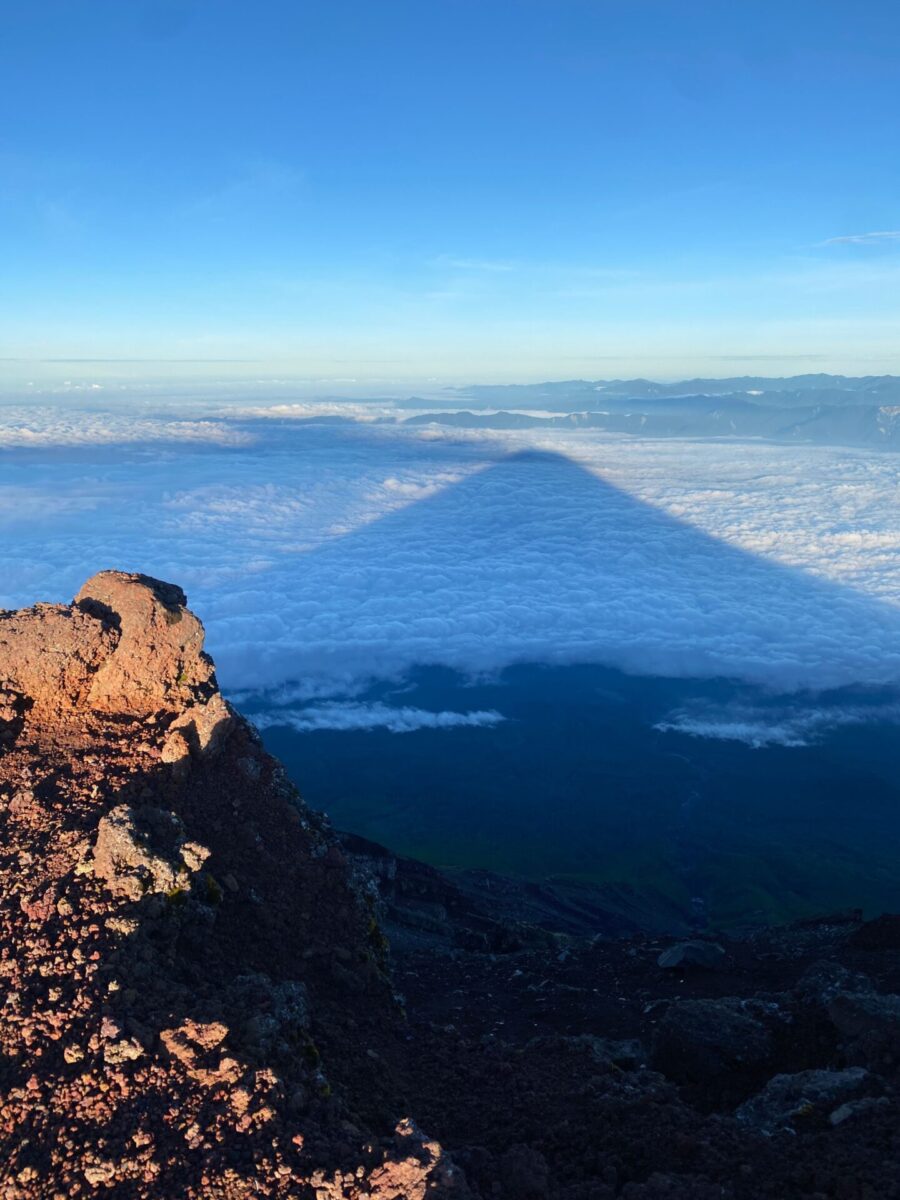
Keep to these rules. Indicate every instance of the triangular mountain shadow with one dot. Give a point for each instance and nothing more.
(534, 558)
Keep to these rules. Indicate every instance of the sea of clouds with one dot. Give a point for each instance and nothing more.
(328, 546)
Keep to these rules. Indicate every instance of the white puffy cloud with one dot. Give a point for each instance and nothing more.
(333, 554)
(308, 410)
(353, 716)
(781, 725)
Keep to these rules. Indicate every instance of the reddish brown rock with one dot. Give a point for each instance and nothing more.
(49, 656)
(164, 1034)
(158, 660)
(141, 851)
(127, 645)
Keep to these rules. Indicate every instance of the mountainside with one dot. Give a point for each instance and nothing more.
(793, 390)
(193, 982)
(198, 999)
(817, 409)
(704, 416)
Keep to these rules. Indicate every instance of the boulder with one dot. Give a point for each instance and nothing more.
(859, 1013)
(625, 1053)
(708, 956)
(158, 660)
(789, 1100)
(128, 645)
(881, 933)
(142, 851)
(525, 1172)
(854, 1109)
(271, 1018)
(871, 1025)
(698, 1040)
(417, 1168)
(821, 982)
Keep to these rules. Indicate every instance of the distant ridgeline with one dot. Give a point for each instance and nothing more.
(826, 409)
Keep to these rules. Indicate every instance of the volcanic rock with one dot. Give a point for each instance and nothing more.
(164, 1035)
(707, 955)
(871, 1025)
(824, 980)
(881, 933)
(143, 850)
(789, 1099)
(698, 1040)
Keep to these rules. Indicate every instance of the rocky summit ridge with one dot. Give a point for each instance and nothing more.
(184, 947)
(198, 998)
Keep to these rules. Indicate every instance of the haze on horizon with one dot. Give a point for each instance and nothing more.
(449, 192)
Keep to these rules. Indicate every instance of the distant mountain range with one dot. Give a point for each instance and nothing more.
(818, 409)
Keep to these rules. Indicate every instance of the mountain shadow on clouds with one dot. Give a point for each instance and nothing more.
(535, 559)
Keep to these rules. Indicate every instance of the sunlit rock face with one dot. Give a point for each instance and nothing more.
(127, 646)
(158, 660)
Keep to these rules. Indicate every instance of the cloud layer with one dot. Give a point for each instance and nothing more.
(336, 553)
(45, 426)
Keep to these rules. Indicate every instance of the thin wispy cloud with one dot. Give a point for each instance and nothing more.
(779, 725)
(340, 716)
(253, 183)
(490, 265)
(864, 239)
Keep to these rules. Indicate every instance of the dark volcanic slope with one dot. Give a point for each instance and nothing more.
(580, 1068)
(195, 998)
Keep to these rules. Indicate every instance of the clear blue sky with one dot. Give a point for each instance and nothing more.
(493, 188)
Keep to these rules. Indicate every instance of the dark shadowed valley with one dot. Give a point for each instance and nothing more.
(728, 826)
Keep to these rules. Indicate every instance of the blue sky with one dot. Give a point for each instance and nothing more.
(399, 189)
